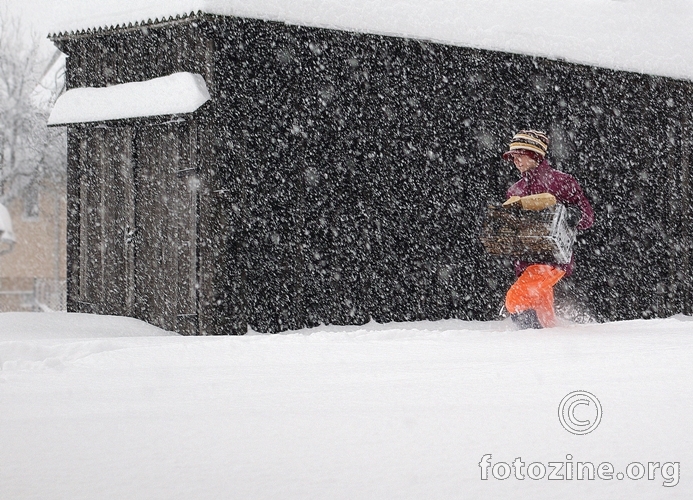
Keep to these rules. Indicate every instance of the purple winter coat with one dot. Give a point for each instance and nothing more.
(544, 179)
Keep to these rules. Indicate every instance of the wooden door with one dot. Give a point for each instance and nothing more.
(166, 227)
(106, 221)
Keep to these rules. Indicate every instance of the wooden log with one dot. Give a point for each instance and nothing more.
(538, 236)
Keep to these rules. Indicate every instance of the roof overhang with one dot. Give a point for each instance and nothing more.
(178, 93)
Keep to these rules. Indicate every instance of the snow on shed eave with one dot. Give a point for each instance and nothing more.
(178, 93)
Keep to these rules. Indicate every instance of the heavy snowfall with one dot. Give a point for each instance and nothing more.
(111, 407)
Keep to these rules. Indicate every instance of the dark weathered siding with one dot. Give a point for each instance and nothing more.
(166, 227)
(367, 162)
(99, 59)
(106, 210)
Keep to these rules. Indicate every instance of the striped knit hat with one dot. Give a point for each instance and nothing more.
(528, 141)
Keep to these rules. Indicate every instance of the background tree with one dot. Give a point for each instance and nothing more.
(30, 152)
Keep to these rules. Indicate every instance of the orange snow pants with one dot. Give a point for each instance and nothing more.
(534, 290)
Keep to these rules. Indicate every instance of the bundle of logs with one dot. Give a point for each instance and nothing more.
(532, 228)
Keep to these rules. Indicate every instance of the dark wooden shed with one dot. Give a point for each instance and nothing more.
(337, 177)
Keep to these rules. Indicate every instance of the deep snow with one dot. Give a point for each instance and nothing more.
(650, 36)
(104, 407)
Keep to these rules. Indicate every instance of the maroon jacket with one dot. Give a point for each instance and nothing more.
(544, 179)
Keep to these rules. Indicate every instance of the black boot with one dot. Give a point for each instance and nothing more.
(526, 319)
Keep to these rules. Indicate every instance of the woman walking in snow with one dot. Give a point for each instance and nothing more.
(530, 299)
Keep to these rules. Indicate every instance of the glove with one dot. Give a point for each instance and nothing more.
(534, 202)
(538, 202)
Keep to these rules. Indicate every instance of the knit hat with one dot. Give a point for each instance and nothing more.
(528, 141)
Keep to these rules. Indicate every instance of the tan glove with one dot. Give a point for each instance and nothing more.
(534, 202)
(512, 201)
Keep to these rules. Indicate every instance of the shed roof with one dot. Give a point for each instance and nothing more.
(648, 36)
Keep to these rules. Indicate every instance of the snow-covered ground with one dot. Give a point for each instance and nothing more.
(112, 408)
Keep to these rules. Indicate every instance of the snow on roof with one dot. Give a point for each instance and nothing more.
(6, 232)
(648, 36)
(167, 95)
(52, 82)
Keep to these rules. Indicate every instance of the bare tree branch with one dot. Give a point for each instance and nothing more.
(29, 151)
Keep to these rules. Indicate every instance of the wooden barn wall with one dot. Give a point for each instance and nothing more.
(133, 188)
(343, 177)
(99, 60)
(359, 168)
(133, 225)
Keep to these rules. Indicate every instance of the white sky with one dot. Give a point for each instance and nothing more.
(31, 12)
(35, 17)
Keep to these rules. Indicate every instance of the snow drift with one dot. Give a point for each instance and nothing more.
(402, 410)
